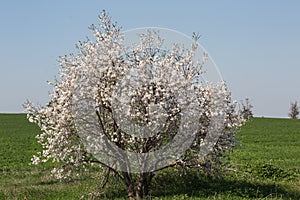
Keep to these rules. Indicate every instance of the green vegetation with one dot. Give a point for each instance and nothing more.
(265, 166)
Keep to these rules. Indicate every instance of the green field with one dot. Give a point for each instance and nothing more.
(265, 166)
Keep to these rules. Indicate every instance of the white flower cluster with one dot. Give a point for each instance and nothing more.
(152, 84)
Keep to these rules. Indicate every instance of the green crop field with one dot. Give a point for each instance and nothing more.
(265, 166)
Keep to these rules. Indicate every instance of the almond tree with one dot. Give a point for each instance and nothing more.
(134, 110)
(247, 109)
(294, 110)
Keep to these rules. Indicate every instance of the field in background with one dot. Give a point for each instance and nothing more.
(265, 166)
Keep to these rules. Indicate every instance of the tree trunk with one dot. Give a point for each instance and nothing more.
(130, 191)
(137, 188)
(127, 178)
(142, 186)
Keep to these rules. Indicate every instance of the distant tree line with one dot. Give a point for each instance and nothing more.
(247, 109)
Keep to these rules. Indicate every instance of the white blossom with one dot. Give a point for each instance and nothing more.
(98, 67)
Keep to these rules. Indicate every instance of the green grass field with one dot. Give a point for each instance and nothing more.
(265, 166)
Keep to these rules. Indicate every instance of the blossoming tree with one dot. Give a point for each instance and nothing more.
(134, 110)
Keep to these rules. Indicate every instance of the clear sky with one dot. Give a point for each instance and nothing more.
(256, 44)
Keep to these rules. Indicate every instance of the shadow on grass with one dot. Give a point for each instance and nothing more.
(196, 185)
(167, 183)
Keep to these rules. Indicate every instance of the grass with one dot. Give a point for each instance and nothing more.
(19, 179)
(271, 140)
(266, 166)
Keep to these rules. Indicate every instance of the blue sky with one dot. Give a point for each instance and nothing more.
(255, 44)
